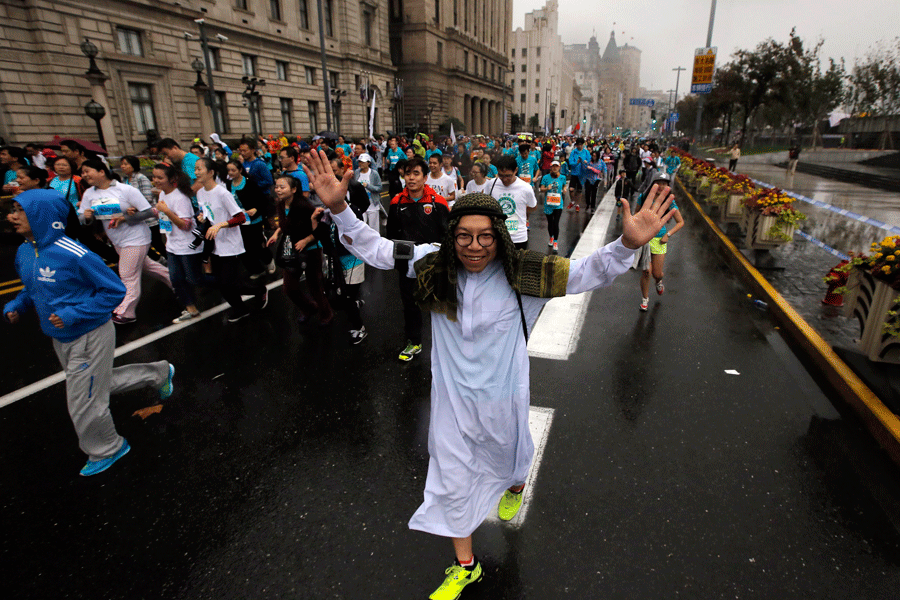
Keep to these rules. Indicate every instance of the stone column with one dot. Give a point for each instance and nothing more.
(203, 109)
(485, 128)
(467, 113)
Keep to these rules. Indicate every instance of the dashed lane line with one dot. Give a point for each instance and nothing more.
(556, 333)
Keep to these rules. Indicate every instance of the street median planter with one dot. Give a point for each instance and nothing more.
(762, 233)
(734, 209)
(875, 305)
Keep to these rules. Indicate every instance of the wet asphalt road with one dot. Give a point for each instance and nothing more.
(288, 462)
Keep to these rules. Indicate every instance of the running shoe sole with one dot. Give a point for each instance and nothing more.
(93, 467)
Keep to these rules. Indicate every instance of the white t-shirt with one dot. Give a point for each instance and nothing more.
(178, 241)
(514, 200)
(443, 185)
(125, 235)
(218, 206)
(485, 187)
(646, 157)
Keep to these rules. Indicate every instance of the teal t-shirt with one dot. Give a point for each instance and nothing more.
(393, 157)
(557, 185)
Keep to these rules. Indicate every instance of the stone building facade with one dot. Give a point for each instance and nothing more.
(585, 61)
(146, 57)
(451, 56)
(542, 80)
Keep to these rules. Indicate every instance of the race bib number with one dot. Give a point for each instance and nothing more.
(526, 178)
(554, 199)
(512, 224)
(165, 225)
(106, 208)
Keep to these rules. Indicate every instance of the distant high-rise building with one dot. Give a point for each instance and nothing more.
(620, 71)
(452, 58)
(541, 79)
(585, 60)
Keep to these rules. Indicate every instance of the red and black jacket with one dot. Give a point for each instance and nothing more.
(422, 221)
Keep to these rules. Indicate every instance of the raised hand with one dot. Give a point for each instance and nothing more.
(329, 189)
(641, 227)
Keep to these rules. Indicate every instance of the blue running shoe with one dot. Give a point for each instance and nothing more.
(92, 467)
(168, 387)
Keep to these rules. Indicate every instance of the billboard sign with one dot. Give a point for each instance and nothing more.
(704, 69)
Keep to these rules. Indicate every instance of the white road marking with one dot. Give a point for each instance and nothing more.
(43, 384)
(555, 335)
(539, 421)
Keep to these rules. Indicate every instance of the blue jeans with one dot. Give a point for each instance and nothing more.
(184, 273)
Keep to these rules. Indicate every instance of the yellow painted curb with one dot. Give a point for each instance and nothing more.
(881, 422)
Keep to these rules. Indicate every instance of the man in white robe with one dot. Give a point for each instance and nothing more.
(479, 443)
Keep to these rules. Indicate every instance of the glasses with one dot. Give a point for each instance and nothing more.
(485, 240)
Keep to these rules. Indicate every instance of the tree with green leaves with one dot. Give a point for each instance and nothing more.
(874, 88)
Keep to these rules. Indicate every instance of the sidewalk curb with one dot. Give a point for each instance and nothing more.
(881, 422)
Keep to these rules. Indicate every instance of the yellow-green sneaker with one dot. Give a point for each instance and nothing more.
(457, 578)
(411, 350)
(510, 504)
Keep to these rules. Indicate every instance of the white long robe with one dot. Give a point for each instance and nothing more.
(478, 439)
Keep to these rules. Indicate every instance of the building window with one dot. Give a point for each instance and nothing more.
(130, 41)
(249, 62)
(222, 109)
(466, 15)
(455, 13)
(313, 116)
(538, 51)
(537, 68)
(537, 98)
(437, 11)
(368, 18)
(329, 18)
(287, 114)
(333, 79)
(524, 52)
(522, 99)
(440, 53)
(522, 83)
(513, 52)
(537, 84)
(275, 10)
(310, 75)
(303, 11)
(241, 4)
(466, 61)
(281, 70)
(142, 105)
(492, 72)
(523, 67)
(214, 59)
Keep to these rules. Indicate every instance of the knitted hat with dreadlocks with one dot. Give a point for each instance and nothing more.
(528, 272)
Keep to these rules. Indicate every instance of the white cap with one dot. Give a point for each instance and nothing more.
(555, 162)
(365, 158)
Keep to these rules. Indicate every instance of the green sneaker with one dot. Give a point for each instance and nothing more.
(510, 504)
(457, 578)
(411, 350)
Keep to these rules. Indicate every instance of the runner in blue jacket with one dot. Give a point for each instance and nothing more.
(74, 294)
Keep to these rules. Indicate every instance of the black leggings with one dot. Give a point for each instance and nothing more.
(590, 193)
(232, 284)
(553, 223)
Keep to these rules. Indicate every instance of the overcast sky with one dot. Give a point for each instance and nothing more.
(668, 31)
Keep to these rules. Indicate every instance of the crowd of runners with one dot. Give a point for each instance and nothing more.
(450, 216)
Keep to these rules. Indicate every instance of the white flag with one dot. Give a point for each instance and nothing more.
(452, 134)
(372, 115)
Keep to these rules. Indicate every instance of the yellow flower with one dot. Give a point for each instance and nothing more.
(877, 256)
(886, 269)
(889, 257)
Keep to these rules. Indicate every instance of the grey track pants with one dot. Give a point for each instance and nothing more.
(90, 378)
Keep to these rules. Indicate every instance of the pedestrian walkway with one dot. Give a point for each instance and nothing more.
(287, 464)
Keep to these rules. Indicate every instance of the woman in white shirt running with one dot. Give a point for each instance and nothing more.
(184, 262)
(479, 182)
(125, 210)
(219, 207)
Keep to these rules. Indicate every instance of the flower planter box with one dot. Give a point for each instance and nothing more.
(870, 300)
(734, 209)
(758, 227)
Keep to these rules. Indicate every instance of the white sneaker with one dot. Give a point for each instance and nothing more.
(645, 304)
(270, 267)
(660, 288)
(186, 315)
(550, 243)
(358, 335)
(556, 246)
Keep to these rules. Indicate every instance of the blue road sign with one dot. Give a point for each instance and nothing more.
(642, 102)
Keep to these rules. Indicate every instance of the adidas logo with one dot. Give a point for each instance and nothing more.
(46, 274)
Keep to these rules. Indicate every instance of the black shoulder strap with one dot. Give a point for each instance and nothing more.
(522, 313)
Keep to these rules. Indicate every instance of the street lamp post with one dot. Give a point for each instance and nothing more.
(324, 66)
(712, 19)
(95, 110)
(197, 65)
(252, 97)
(211, 88)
